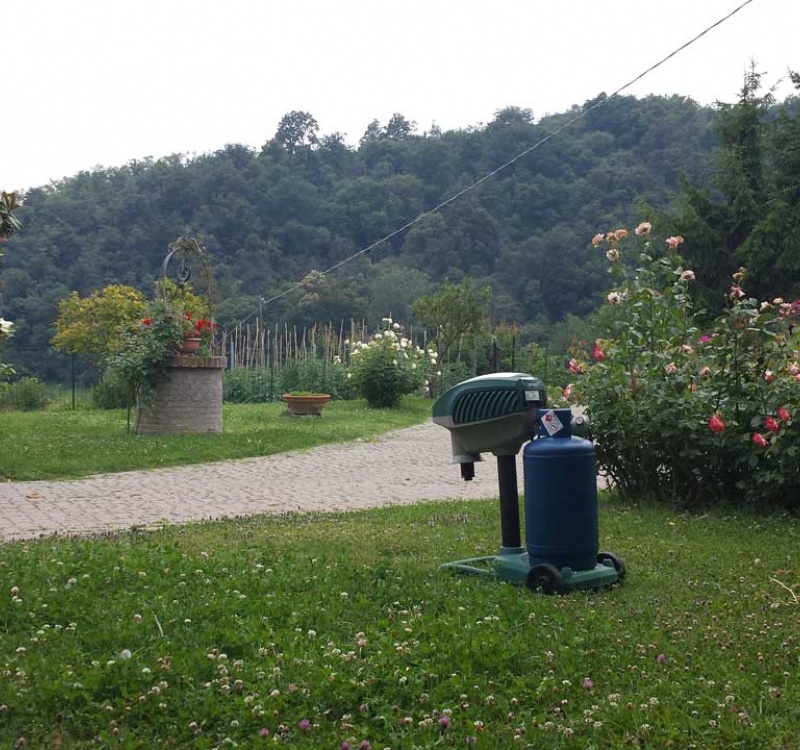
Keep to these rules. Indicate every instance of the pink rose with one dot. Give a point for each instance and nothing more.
(760, 440)
(715, 424)
(674, 242)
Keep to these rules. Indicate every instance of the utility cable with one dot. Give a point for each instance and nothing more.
(516, 158)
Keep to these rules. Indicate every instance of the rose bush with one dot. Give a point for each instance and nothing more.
(389, 366)
(684, 407)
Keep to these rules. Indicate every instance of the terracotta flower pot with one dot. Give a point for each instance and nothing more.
(190, 345)
(306, 404)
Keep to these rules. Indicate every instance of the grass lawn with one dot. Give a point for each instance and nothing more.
(61, 444)
(336, 631)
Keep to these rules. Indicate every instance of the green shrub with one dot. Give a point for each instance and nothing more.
(110, 394)
(27, 394)
(388, 367)
(689, 413)
(259, 385)
(250, 385)
(449, 375)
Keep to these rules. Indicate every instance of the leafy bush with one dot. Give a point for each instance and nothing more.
(249, 385)
(27, 394)
(142, 361)
(388, 367)
(111, 394)
(259, 385)
(685, 412)
(449, 375)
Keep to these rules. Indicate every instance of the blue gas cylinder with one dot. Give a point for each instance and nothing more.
(561, 526)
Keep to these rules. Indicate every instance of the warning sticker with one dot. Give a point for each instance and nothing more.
(552, 423)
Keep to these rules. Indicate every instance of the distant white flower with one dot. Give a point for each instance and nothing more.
(396, 326)
(6, 326)
(378, 336)
(125, 654)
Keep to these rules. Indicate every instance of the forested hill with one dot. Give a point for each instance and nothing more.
(306, 201)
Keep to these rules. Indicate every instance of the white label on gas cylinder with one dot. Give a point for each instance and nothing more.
(532, 396)
(552, 423)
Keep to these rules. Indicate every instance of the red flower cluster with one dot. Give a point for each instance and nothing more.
(772, 425)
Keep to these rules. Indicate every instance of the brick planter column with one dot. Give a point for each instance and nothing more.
(188, 401)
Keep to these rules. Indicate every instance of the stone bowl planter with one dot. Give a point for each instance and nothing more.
(306, 404)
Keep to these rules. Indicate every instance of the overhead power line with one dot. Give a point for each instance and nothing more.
(516, 158)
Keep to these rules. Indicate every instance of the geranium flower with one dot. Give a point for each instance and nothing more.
(613, 254)
(771, 425)
(671, 369)
(760, 440)
(769, 376)
(597, 353)
(736, 292)
(575, 367)
(687, 276)
(614, 298)
(598, 239)
(715, 424)
(783, 413)
(643, 229)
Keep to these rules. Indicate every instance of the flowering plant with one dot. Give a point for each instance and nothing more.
(685, 408)
(388, 366)
(142, 360)
(6, 332)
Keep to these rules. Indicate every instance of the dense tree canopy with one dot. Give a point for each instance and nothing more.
(307, 201)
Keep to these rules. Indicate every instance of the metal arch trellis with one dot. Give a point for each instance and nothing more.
(182, 249)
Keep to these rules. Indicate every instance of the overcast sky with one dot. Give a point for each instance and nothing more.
(91, 83)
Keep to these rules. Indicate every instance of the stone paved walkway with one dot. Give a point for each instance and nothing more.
(404, 466)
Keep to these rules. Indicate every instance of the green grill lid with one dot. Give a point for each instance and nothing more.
(490, 397)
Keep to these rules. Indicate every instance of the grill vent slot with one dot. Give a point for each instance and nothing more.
(477, 406)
